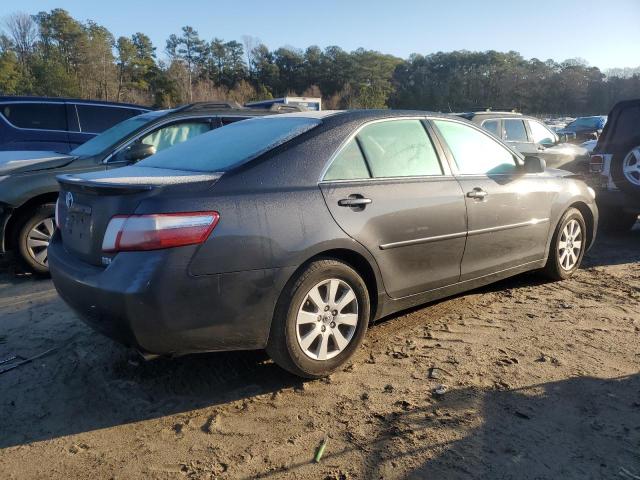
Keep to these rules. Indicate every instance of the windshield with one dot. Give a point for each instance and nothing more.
(226, 147)
(113, 135)
(588, 122)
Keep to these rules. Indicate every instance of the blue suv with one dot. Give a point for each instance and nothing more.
(57, 124)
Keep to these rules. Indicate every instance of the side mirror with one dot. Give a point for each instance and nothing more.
(534, 164)
(138, 151)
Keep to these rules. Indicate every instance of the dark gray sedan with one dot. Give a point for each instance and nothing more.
(293, 233)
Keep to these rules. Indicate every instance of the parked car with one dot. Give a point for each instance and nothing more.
(57, 124)
(585, 128)
(530, 136)
(615, 167)
(293, 232)
(28, 187)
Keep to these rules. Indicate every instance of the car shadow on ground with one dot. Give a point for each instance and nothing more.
(577, 428)
(81, 388)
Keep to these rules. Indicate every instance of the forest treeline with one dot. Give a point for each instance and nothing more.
(53, 54)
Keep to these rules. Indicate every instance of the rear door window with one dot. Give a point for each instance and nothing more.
(514, 131)
(349, 164)
(98, 118)
(399, 148)
(40, 116)
(474, 152)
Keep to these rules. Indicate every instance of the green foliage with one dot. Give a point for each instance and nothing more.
(9, 73)
(51, 53)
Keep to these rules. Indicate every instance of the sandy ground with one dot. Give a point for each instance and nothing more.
(543, 381)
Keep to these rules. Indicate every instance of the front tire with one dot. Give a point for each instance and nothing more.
(320, 320)
(33, 238)
(567, 247)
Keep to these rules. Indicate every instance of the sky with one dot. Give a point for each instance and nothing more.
(605, 33)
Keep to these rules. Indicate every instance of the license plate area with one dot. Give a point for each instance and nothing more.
(77, 228)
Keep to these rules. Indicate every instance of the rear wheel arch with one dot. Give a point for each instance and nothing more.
(21, 214)
(355, 260)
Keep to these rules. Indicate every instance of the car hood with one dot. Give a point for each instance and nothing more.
(28, 161)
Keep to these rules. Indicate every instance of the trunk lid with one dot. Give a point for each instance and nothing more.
(87, 202)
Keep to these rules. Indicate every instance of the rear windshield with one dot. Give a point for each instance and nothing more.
(226, 147)
(115, 134)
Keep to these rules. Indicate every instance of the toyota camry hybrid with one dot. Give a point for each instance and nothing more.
(294, 232)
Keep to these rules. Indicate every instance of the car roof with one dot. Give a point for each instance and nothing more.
(26, 98)
(492, 114)
(364, 114)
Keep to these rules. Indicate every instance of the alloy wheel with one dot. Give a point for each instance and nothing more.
(38, 239)
(631, 166)
(570, 245)
(327, 319)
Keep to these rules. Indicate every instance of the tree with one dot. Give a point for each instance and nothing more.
(190, 49)
(24, 33)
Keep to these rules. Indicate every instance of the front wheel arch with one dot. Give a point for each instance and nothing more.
(20, 214)
(589, 220)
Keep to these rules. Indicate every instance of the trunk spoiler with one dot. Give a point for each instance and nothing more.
(131, 180)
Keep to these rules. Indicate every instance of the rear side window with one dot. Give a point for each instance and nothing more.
(349, 164)
(474, 152)
(224, 148)
(98, 118)
(41, 116)
(514, 131)
(492, 126)
(399, 148)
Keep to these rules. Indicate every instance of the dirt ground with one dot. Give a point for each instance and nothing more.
(543, 381)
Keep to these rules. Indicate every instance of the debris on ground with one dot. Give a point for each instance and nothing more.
(25, 361)
(320, 450)
(440, 390)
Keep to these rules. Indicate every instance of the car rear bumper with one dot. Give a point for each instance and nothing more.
(149, 301)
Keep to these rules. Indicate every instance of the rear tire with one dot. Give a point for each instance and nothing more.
(34, 235)
(320, 320)
(567, 247)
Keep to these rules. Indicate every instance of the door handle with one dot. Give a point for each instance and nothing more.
(477, 193)
(354, 201)
(541, 148)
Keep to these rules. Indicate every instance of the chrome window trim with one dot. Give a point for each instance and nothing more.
(355, 133)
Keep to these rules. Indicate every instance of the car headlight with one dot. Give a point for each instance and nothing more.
(592, 192)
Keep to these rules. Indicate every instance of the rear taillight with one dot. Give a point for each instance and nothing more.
(596, 165)
(156, 231)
